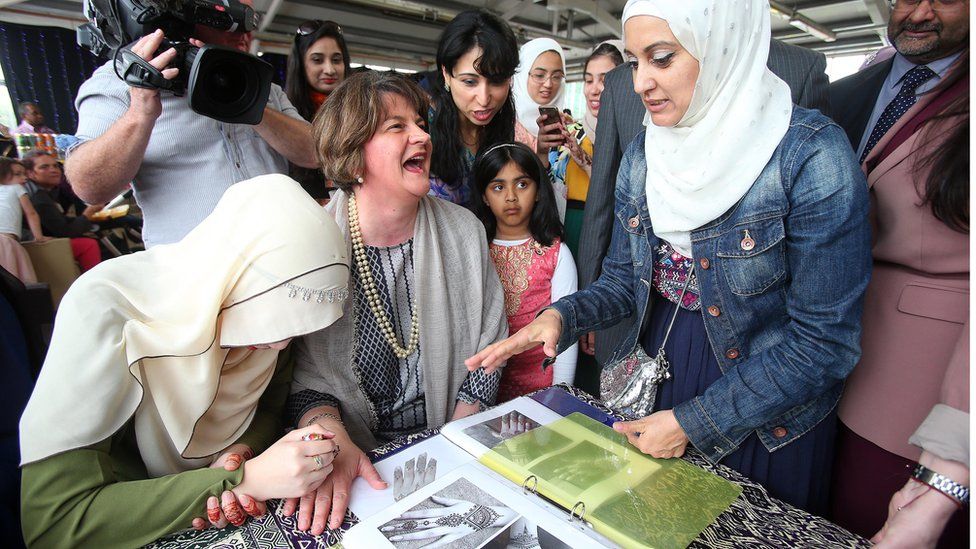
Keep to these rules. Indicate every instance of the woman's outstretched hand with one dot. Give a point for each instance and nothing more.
(544, 330)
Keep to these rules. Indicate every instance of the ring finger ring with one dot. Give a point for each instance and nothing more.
(312, 436)
(318, 462)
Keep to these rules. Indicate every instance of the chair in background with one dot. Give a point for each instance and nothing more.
(35, 312)
(54, 264)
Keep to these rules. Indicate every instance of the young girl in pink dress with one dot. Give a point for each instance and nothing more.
(525, 242)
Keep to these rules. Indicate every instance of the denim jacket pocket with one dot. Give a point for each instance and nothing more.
(632, 218)
(754, 255)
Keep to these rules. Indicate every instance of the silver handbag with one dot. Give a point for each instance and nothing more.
(629, 385)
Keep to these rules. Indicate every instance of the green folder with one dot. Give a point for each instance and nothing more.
(631, 498)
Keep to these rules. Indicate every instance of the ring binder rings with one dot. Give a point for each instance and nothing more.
(572, 514)
(535, 485)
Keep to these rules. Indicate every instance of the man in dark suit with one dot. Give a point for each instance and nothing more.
(928, 41)
(621, 117)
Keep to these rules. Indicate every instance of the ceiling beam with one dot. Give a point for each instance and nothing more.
(28, 15)
(802, 22)
(590, 7)
(879, 11)
(269, 15)
(512, 8)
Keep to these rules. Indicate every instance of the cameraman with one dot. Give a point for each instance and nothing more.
(180, 163)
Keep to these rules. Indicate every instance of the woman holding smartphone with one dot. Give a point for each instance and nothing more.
(538, 90)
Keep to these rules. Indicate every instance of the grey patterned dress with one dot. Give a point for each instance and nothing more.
(394, 386)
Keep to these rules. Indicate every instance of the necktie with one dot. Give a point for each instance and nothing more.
(899, 105)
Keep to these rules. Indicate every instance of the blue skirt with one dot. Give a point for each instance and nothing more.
(798, 473)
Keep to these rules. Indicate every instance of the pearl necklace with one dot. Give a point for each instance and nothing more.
(373, 295)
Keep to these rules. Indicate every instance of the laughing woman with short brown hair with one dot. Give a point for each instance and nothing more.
(424, 295)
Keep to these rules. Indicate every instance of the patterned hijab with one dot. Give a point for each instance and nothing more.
(161, 336)
(738, 115)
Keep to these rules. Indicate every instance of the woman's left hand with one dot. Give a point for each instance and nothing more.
(228, 504)
(658, 435)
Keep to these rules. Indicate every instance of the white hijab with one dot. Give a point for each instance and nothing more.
(590, 121)
(140, 336)
(738, 115)
(526, 109)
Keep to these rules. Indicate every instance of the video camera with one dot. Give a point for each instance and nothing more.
(222, 83)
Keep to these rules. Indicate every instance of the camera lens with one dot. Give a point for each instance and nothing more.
(226, 84)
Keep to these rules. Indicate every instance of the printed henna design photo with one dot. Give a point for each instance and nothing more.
(414, 475)
(460, 515)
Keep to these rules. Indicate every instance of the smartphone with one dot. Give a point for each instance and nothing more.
(551, 115)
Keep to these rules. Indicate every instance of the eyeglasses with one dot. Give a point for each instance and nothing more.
(541, 77)
(313, 25)
(935, 5)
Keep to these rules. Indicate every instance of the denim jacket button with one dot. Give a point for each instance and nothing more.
(633, 222)
(732, 354)
(714, 311)
(705, 264)
(779, 432)
(747, 243)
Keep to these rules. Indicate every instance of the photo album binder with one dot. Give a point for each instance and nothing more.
(522, 475)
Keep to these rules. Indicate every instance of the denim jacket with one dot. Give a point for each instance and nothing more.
(783, 317)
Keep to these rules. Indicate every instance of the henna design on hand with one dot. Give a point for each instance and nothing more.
(251, 506)
(213, 511)
(233, 462)
(234, 513)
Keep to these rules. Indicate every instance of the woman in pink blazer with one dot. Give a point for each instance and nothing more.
(907, 401)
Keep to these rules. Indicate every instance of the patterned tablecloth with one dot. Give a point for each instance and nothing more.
(754, 520)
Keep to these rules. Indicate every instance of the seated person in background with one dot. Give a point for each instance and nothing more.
(44, 176)
(14, 206)
(425, 292)
(180, 384)
(31, 119)
(179, 162)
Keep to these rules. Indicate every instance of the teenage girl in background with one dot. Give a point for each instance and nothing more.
(525, 243)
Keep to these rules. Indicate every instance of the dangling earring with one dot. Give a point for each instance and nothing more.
(447, 87)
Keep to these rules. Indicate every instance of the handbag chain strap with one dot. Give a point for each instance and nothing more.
(681, 300)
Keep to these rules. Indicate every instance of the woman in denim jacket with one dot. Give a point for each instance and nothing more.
(762, 205)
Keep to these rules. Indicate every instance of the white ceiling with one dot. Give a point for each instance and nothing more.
(404, 33)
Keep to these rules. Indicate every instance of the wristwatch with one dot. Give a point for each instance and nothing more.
(946, 485)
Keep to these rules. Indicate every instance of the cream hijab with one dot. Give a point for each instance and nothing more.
(140, 336)
(590, 121)
(738, 115)
(526, 109)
